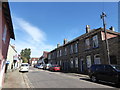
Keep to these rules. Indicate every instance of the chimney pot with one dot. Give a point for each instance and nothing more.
(65, 41)
(58, 45)
(112, 28)
(87, 28)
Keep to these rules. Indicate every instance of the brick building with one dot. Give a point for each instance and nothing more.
(34, 60)
(6, 32)
(90, 48)
(43, 59)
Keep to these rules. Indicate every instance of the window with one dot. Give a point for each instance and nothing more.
(87, 43)
(4, 34)
(65, 51)
(95, 41)
(57, 53)
(76, 47)
(71, 49)
(88, 58)
(60, 62)
(49, 56)
(71, 63)
(97, 59)
(76, 62)
(60, 52)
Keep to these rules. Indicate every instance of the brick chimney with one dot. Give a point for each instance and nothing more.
(112, 28)
(87, 28)
(65, 41)
(58, 45)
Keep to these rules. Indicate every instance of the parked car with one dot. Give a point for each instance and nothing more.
(24, 67)
(54, 68)
(40, 66)
(35, 66)
(108, 73)
(48, 66)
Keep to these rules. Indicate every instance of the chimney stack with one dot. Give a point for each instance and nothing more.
(58, 45)
(87, 28)
(65, 41)
(112, 28)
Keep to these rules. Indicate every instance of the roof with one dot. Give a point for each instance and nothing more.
(6, 12)
(87, 35)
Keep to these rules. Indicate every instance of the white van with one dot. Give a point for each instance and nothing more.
(24, 67)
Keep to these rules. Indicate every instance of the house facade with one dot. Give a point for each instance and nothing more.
(6, 32)
(90, 48)
(12, 59)
(34, 61)
(43, 59)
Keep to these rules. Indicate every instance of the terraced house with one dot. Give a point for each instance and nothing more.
(6, 32)
(90, 48)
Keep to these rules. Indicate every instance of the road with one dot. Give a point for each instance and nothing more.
(46, 79)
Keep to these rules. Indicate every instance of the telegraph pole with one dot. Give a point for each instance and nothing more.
(105, 33)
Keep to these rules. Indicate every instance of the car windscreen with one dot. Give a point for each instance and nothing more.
(117, 67)
(24, 65)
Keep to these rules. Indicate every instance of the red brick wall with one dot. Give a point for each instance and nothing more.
(6, 44)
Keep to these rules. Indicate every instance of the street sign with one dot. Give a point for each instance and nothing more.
(7, 62)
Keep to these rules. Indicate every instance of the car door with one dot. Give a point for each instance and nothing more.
(100, 72)
(110, 74)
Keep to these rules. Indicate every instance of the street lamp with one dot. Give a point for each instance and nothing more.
(106, 41)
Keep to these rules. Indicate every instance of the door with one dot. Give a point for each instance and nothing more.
(81, 65)
(100, 72)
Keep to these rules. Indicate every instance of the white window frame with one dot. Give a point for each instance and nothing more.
(95, 41)
(87, 43)
(76, 62)
(76, 47)
(65, 51)
(71, 63)
(88, 60)
(96, 59)
(60, 52)
(71, 49)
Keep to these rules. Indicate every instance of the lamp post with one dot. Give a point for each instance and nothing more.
(105, 33)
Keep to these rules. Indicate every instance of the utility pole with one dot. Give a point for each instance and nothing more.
(106, 41)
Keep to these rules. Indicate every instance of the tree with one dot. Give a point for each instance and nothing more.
(25, 55)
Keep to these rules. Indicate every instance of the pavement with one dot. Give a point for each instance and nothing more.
(15, 79)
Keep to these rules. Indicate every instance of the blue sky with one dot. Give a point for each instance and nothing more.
(41, 25)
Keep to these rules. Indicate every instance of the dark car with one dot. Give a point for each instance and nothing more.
(108, 73)
(54, 68)
(35, 66)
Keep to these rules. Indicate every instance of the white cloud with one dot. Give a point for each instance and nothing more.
(36, 33)
(35, 37)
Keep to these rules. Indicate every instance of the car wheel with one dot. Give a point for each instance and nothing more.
(94, 79)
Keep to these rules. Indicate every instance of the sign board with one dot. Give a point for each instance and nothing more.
(7, 62)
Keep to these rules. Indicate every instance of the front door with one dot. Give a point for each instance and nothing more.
(81, 65)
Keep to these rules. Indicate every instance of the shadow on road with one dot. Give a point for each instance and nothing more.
(101, 82)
